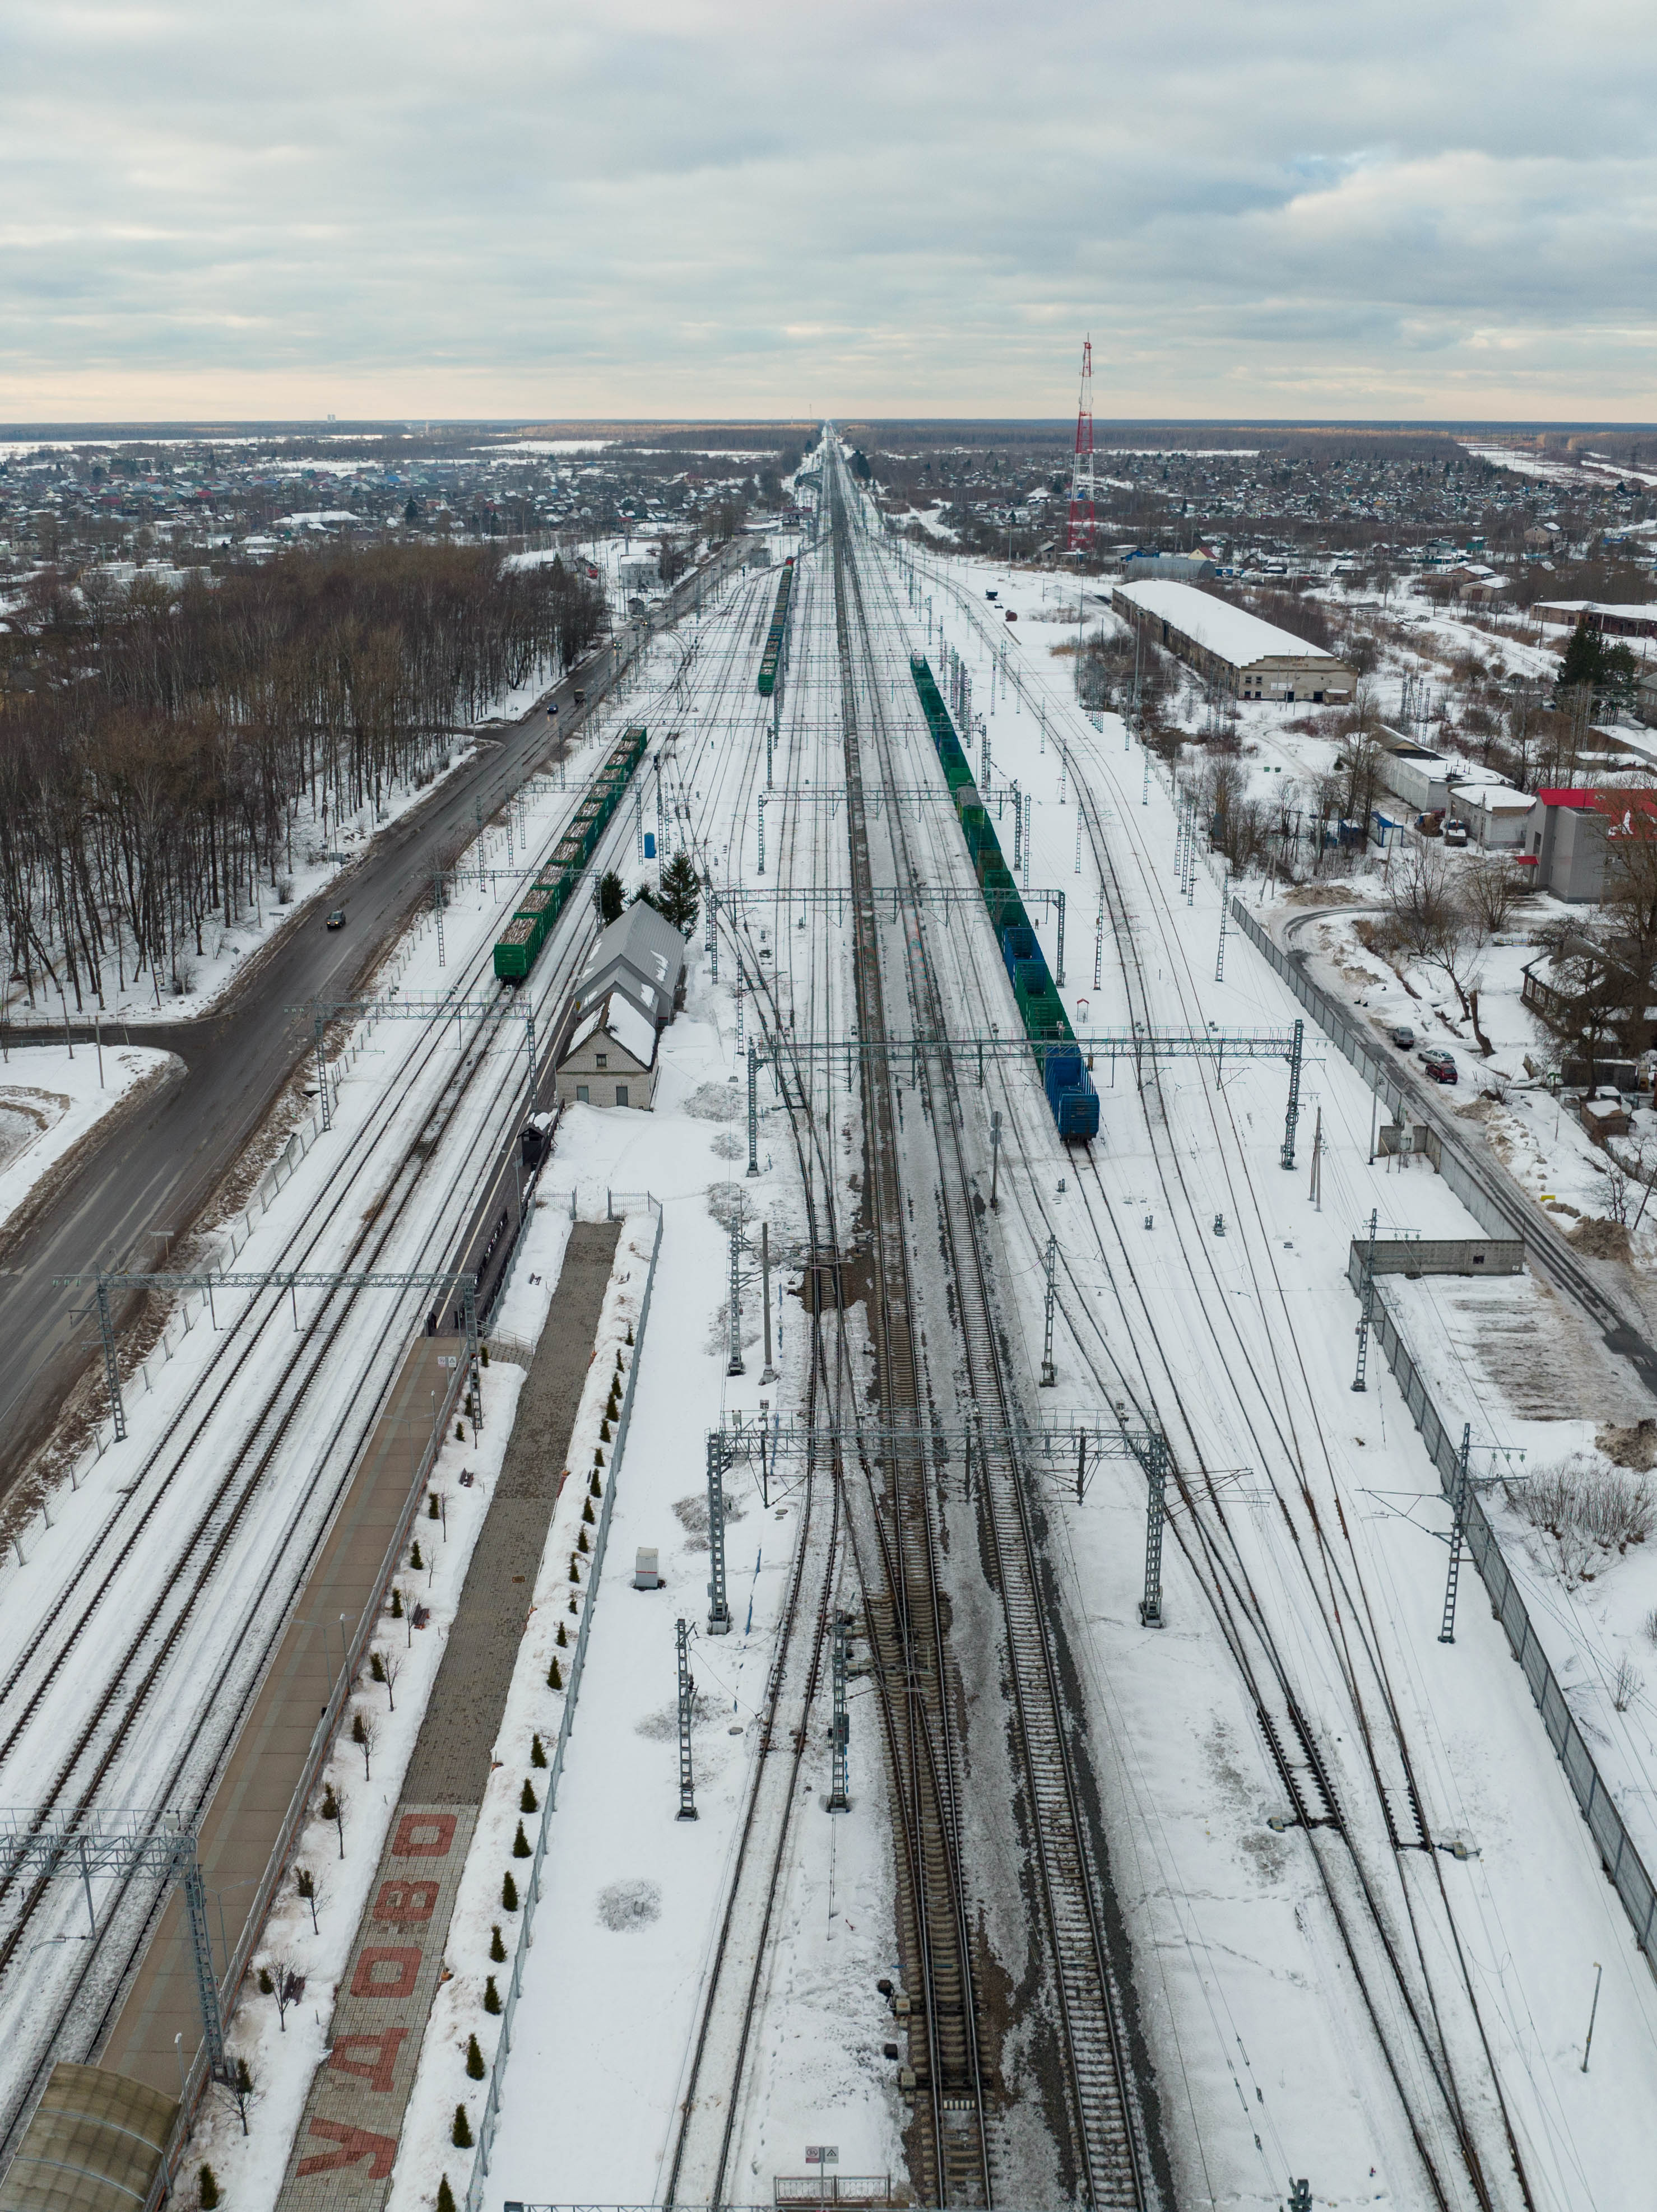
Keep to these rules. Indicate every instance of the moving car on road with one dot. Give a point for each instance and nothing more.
(336, 918)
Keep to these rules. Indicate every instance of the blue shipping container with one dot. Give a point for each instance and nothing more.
(1076, 1112)
(649, 844)
(1019, 943)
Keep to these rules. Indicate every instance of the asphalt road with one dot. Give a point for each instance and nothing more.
(160, 1166)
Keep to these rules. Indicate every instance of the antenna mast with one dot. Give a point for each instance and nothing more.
(1080, 537)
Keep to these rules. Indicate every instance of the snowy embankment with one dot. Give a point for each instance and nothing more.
(51, 1096)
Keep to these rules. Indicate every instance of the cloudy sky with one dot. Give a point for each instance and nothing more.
(215, 207)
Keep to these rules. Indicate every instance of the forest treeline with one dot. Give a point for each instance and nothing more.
(160, 755)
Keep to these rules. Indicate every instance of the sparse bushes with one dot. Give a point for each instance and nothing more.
(1587, 1512)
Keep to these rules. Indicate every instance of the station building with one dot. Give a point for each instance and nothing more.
(1249, 657)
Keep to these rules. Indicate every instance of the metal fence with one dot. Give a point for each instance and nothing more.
(550, 1798)
(1618, 1851)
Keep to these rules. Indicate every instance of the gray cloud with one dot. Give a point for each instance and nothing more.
(717, 207)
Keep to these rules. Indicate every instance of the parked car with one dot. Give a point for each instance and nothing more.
(336, 918)
(1439, 1065)
(1455, 833)
(1402, 1036)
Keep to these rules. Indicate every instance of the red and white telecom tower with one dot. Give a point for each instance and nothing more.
(1080, 535)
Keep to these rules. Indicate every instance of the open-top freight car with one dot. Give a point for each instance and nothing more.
(1070, 1093)
(770, 659)
(519, 945)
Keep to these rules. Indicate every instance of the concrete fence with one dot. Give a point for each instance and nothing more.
(1434, 1255)
(1617, 1852)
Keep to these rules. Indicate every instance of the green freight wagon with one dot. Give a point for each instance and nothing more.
(771, 657)
(516, 949)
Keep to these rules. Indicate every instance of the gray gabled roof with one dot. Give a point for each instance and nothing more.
(649, 943)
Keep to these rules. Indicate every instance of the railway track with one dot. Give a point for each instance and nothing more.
(1396, 1927)
(1103, 2150)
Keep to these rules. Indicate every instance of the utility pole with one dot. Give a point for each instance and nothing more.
(687, 1710)
(1318, 1163)
(1225, 910)
(1459, 1504)
(1156, 1475)
(768, 1373)
(1049, 1375)
(839, 1799)
(994, 1159)
(1293, 1113)
(719, 1611)
(1367, 1308)
(734, 1365)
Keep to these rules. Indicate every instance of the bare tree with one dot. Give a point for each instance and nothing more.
(1489, 892)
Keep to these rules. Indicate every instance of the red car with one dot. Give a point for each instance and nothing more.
(1439, 1067)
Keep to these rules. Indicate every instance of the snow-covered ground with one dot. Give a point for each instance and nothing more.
(1244, 1341)
(51, 1096)
(134, 1504)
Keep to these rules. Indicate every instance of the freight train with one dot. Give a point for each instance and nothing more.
(517, 949)
(770, 659)
(1070, 1093)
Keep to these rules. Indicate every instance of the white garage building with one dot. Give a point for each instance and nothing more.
(1249, 657)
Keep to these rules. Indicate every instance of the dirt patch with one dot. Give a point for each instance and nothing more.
(1601, 1239)
(1317, 894)
(1634, 1447)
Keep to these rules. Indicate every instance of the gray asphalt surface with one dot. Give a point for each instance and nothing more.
(158, 1167)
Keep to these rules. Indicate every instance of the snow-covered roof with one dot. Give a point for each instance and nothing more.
(647, 940)
(633, 1031)
(1627, 611)
(1236, 636)
(617, 1016)
(1494, 798)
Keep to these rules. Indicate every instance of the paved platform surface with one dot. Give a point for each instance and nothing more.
(244, 1814)
(342, 2158)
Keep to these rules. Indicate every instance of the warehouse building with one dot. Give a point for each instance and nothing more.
(1636, 620)
(1249, 657)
